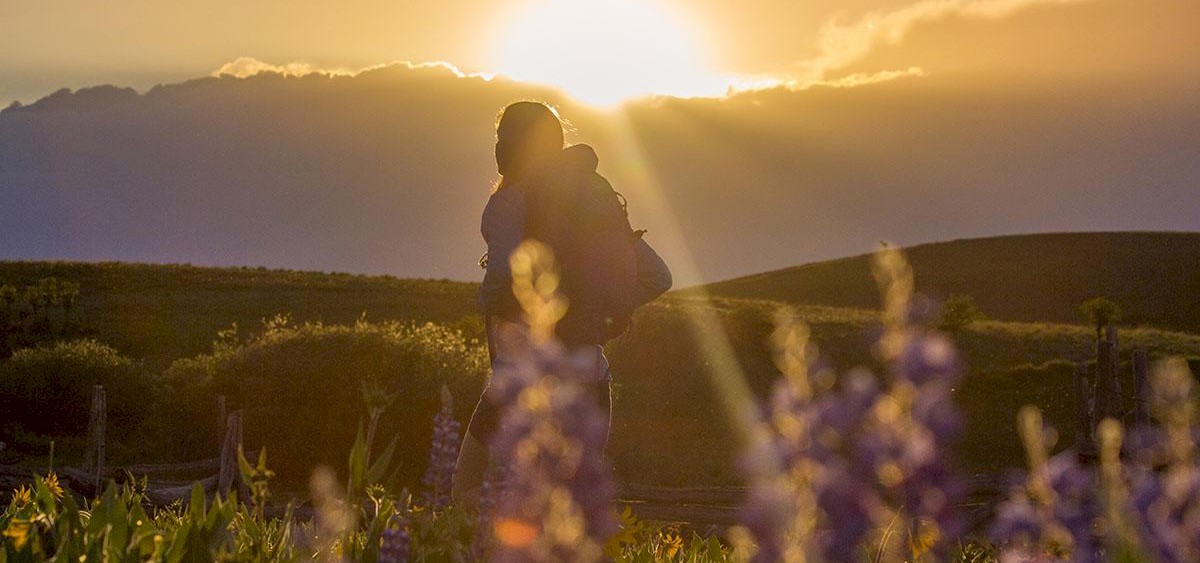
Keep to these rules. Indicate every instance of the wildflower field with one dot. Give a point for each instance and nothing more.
(850, 435)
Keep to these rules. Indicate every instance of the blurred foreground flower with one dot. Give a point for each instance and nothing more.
(1141, 504)
(848, 468)
(554, 503)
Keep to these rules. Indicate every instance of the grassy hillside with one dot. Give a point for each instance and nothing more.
(668, 401)
(1155, 277)
(669, 425)
(162, 312)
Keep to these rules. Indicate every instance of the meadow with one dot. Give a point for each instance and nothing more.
(307, 355)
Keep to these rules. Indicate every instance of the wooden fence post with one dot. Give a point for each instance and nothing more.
(227, 478)
(1108, 387)
(94, 457)
(1141, 387)
(221, 414)
(1085, 444)
(1110, 334)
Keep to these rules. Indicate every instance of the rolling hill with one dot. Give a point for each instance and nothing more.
(1155, 277)
(665, 375)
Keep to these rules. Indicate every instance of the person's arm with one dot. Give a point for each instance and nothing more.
(653, 276)
(503, 229)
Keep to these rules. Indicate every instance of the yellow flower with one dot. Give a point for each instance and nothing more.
(670, 541)
(926, 537)
(51, 482)
(18, 532)
(22, 496)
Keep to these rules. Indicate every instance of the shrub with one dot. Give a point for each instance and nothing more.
(47, 390)
(38, 314)
(302, 390)
(1100, 312)
(959, 312)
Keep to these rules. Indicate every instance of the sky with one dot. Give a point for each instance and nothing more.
(682, 47)
(822, 126)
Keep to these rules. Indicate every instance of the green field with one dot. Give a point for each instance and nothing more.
(669, 427)
(1155, 277)
(159, 313)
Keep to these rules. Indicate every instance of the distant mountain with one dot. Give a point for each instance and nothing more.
(387, 171)
(1155, 277)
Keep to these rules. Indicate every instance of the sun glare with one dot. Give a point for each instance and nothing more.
(603, 52)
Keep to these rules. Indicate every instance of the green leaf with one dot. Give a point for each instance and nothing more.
(196, 506)
(716, 552)
(358, 462)
(379, 468)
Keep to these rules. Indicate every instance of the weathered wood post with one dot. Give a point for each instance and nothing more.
(94, 456)
(1141, 387)
(227, 478)
(1085, 444)
(1110, 334)
(1108, 387)
(221, 414)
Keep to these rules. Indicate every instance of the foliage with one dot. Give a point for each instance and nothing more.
(1100, 312)
(958, 312)
(844, 469)
(163, 312)
(37, 314)
(664, 371)
(301, 387)
(49, 387)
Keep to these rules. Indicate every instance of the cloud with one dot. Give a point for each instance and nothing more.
(841, 44)
(751, 85)
(244, 67)
(864, 78)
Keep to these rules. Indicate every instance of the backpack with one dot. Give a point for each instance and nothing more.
(584, 221)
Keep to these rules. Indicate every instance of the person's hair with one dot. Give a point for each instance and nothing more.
(525, 132)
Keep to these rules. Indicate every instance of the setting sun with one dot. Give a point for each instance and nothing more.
(603, 52)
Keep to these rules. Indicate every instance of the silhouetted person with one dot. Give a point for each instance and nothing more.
(554, 195)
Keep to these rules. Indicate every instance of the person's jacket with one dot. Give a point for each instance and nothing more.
(503, 228)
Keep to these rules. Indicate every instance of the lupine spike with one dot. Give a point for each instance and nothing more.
(443, 454)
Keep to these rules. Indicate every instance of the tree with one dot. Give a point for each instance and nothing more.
(1100, 312)
(959, 312)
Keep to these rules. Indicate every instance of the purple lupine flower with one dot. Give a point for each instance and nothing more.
(767, 515)
(395, 542)
(551, 442)
(866, 453)
(443, 455)
(1168, 506)
(1064, 512)
(1164, 475)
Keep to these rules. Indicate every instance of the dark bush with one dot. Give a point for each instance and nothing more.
(301, 388)
(958, 312)
(38, 314)
(47, 390)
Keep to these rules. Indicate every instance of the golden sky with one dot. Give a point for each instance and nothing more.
(682, 47)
